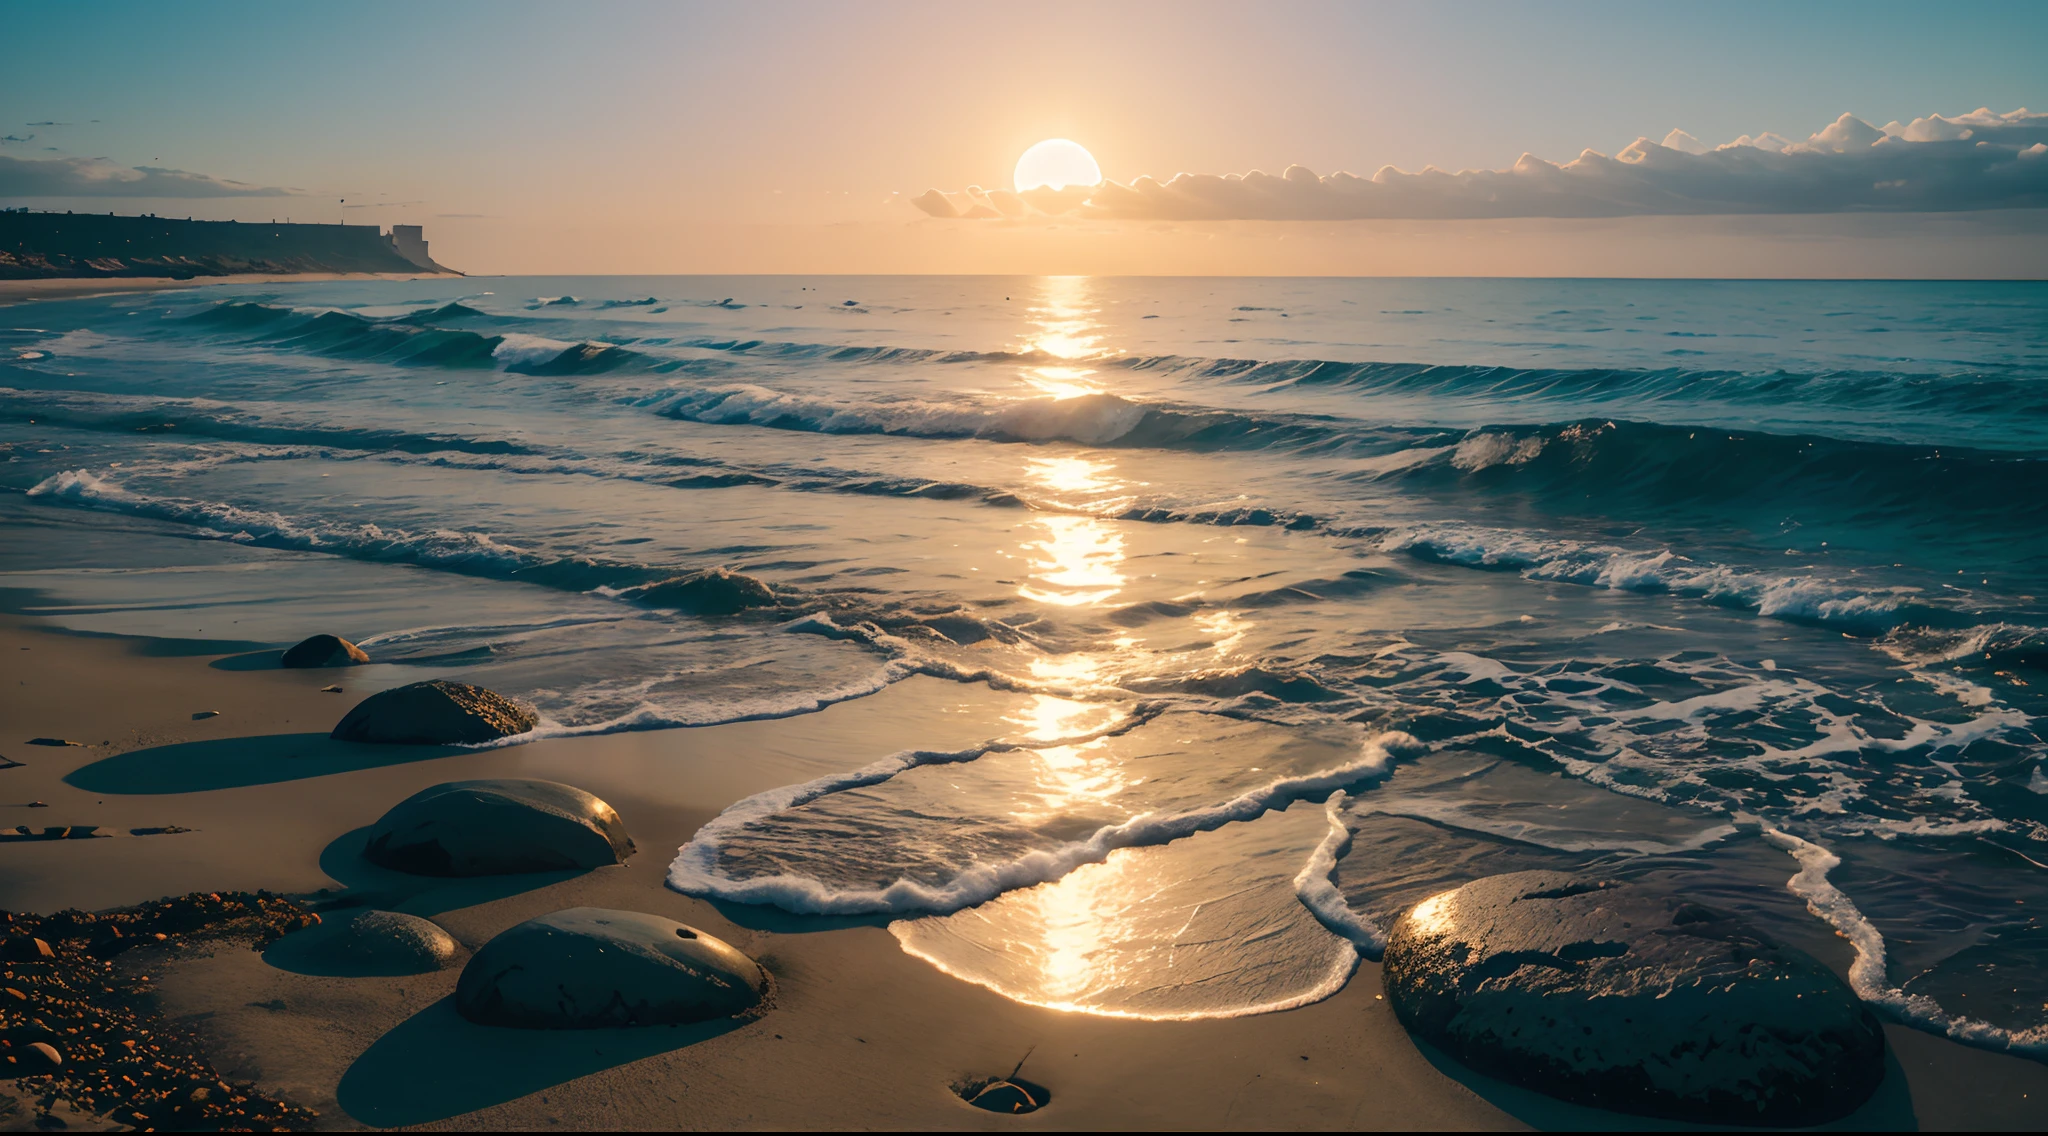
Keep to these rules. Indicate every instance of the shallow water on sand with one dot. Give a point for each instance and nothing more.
(1321, 594)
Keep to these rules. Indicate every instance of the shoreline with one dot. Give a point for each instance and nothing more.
(861, 1034)
(85, 287)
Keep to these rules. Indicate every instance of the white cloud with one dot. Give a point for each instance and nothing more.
(97, 177)
(1980, 160)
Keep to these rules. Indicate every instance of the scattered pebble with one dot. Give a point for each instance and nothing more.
(53, 742)
(203, 714)
(119, 1060)
(39, 804)
(330, 690)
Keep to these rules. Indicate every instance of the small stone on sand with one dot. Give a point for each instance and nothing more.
(374, 942)
(204, 714)
(323, 651)
(590, 968)
(53, 742)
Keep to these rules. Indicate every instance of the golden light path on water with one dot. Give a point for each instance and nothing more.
(1129, 935)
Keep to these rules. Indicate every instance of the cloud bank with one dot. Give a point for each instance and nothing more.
(1980, 160)
(97, 177)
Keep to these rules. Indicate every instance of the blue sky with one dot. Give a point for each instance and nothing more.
(770, 113)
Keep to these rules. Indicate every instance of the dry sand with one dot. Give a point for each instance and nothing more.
(71, 288)
(861, 1035)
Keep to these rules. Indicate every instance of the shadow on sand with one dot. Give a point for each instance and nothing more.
(1890, 1109)
(232, 763)
(364, 884)
(436, 1065)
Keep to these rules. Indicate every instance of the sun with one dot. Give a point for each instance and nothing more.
(1057, 163)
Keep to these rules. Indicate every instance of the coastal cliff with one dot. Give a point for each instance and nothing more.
(36, 246)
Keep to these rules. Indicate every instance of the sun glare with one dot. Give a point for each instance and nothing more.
(1057, 163)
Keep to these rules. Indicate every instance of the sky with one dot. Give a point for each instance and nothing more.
(806, 137)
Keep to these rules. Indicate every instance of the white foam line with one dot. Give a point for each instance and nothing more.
(1868, 976)
(1317, 886)
(695, 870)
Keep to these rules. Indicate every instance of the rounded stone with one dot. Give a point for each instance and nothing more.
(590, 968)
(715, 591)
(435, 712)
(323, 651)
(498, 826)
(390, 942)
(1614, 995)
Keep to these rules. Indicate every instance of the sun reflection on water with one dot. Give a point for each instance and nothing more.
(1063, 329)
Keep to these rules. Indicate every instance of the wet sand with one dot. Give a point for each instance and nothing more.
(71, 288)
(860, 1035)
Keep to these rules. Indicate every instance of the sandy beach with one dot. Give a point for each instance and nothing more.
(860, 1034)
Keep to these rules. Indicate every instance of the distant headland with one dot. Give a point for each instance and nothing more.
(45, 246)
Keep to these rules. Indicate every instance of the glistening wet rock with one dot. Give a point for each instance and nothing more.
(496, 827)
(435, 712)
(323, 651)
(715, 591)
(1614, 995)
(590, 968)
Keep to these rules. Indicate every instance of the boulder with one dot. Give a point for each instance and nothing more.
(435, 712)
(589, 968)
(1615, 995)
(715, 591)
(374, 942)
(323, 651)
(496, 827)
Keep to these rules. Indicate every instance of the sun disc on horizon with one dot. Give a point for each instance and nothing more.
(1056, 163)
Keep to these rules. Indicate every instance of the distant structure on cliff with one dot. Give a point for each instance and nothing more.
(41, 245)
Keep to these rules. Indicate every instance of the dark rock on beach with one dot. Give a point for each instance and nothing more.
(589, 968)
(498, 827)
(435, 712)
(715, 591)
(374, 942)
(324, 651)
(1614, 995)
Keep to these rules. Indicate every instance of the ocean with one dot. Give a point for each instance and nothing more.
(1308, 598)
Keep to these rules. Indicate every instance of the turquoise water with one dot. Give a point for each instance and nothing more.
(1321, 594)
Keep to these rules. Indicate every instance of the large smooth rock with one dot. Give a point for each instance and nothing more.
(589, 968)
(324, 651)
(496, 827)
(715, 591)
(435, 712)
(1614, 995)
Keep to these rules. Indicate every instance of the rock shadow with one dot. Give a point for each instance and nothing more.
(265, 660)
(1890, 1109)
(233, 763)
(364, 884)
(436, 1065)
